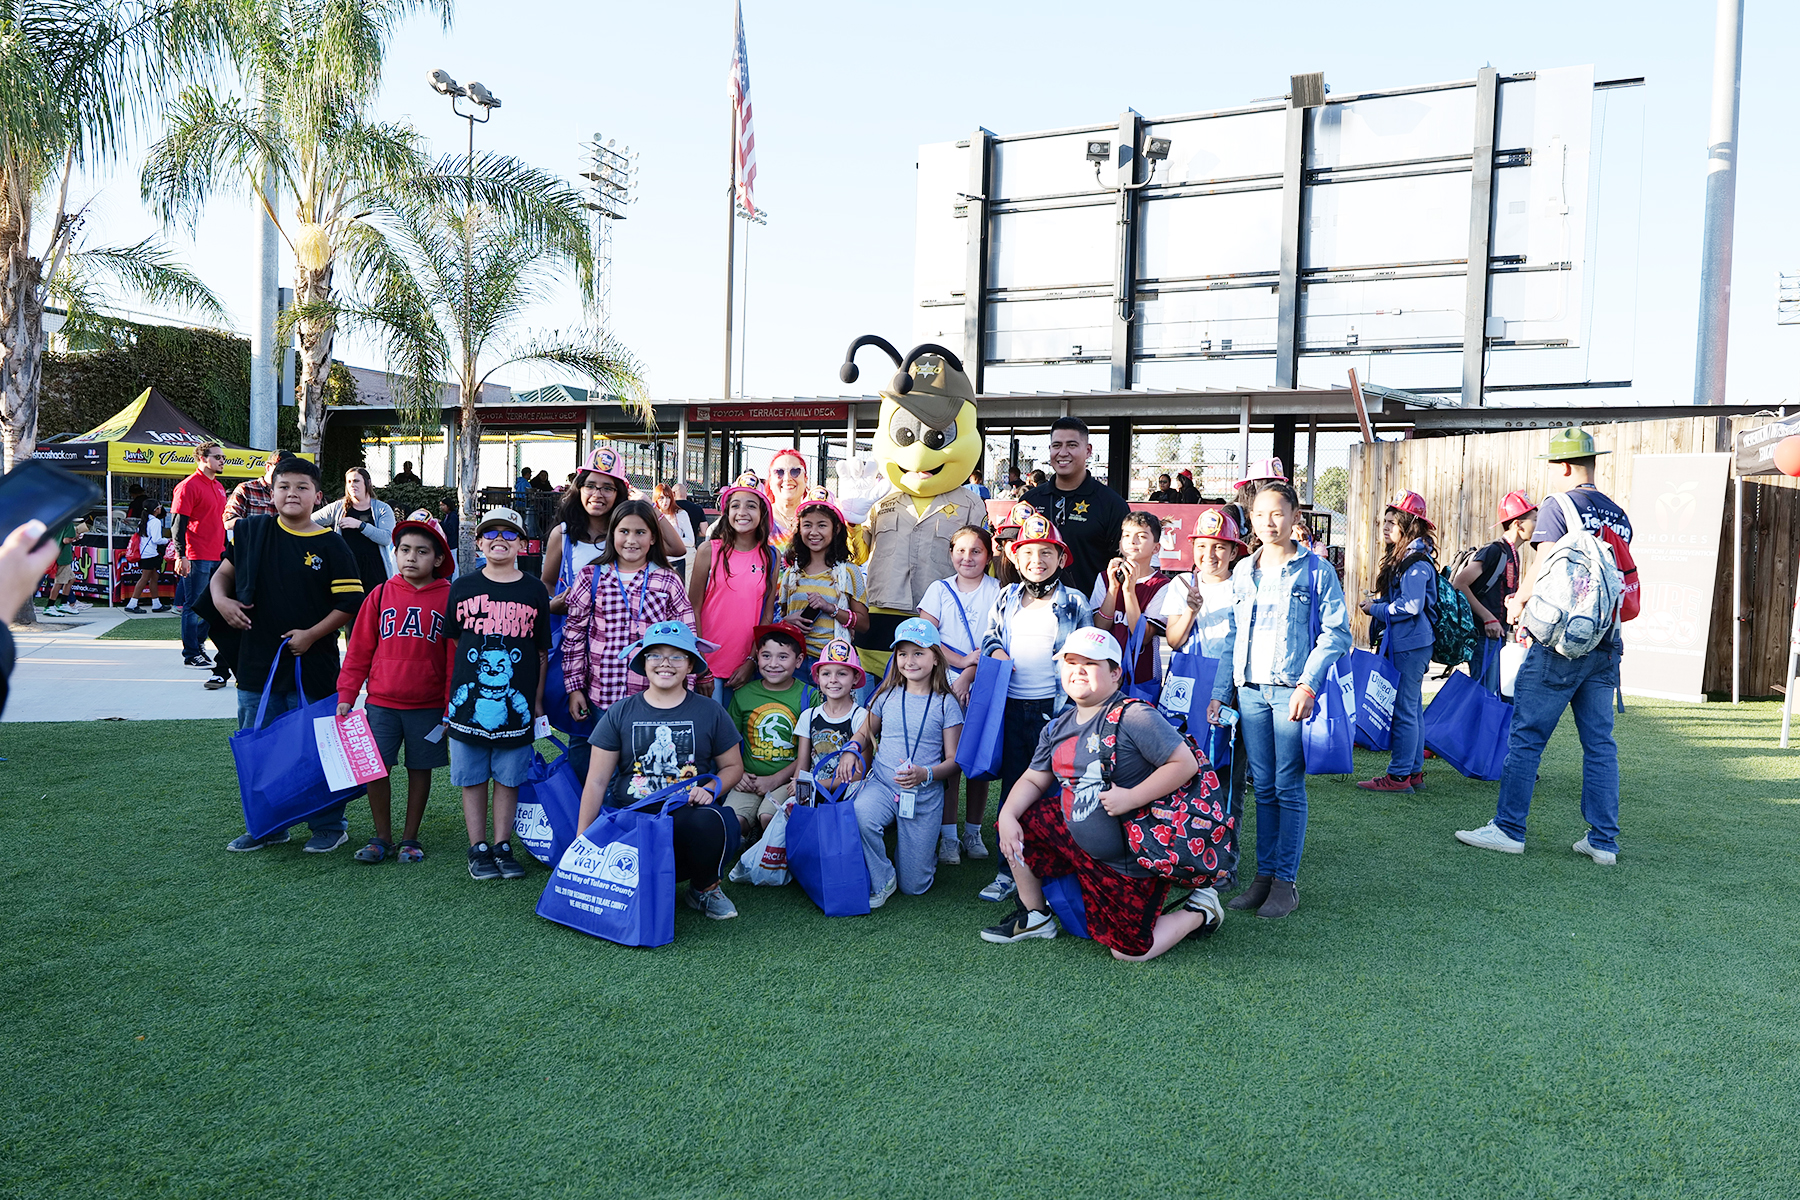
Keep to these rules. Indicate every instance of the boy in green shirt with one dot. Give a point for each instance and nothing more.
(765, 711)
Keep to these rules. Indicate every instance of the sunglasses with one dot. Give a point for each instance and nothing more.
(504, 535)
(789, 472)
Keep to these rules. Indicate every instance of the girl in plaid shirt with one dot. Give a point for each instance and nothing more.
(612, 601)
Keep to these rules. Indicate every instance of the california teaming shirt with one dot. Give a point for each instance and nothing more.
(500, 629)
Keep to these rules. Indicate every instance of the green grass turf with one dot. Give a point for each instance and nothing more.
(145, 629)
(1434, 1021)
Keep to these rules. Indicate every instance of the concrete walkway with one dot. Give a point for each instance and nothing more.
(65, 674)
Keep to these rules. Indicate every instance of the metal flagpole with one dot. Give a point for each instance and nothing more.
(730, 255)
(744, 334)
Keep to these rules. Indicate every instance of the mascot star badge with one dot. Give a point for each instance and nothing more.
(926, 443)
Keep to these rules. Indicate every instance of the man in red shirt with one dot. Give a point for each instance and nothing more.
(199, 543)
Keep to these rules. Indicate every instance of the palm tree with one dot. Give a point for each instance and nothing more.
(294, 124)
(75, 77)
(443, 282)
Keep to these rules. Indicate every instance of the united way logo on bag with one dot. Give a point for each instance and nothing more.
(616, 863)
(533, 827)
(1178, 693)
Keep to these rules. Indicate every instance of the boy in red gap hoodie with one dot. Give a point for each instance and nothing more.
(398, 647)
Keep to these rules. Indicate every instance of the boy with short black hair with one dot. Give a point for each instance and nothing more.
(499, 618)
(1492, 577)
(766, 711)
(400, 650)
(288, 578)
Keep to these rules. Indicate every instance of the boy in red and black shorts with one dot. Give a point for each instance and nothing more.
(1076, 830)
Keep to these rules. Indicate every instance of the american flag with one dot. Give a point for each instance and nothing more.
(745, 157)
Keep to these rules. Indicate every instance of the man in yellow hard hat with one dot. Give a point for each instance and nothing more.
(1549, 682)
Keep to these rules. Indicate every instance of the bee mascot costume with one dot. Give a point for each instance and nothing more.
(926, 444)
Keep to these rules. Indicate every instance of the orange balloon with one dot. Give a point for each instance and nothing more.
(1787, 455)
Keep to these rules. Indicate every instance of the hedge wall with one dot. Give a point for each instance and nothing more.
(203, 372)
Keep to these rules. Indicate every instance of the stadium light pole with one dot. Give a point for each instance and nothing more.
(1721, 202)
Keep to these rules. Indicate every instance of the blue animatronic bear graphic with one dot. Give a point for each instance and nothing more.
(491, 704)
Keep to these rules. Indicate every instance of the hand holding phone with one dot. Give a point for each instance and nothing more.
(38, 491)
(24, 558)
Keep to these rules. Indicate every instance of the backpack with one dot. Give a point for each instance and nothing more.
(1578, 590)
(1453, 629)
(1189, 837)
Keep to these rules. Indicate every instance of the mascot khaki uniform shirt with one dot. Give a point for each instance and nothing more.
(499, 630)
(908, 553)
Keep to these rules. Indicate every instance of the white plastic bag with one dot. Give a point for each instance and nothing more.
(1512, 657)
(765, 864)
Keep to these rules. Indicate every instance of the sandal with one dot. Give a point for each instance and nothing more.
(411, 851)
(376, 851)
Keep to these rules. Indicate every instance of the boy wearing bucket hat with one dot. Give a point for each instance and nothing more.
(1029, 624)
(1548, 682)
(665, 733)
(1492, 575)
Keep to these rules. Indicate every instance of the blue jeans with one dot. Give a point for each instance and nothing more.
(1547, 684)
(1408, 745)
(1278, 768)
(193, 585)
(330, 820)
(1020, 727)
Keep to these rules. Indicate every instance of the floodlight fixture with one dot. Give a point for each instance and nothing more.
(1156, 149)
(443, 85)
(1099, 152)
(482, 96)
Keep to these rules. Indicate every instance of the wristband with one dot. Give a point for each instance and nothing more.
(1303, 688)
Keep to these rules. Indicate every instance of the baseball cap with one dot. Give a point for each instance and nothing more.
(918, 631)
(501, 516)
(1090, 643)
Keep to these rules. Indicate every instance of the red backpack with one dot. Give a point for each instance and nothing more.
(1630, 595)
(1188, 837)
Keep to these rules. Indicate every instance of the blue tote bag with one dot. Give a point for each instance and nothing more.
(978, 750)
(1377, 681)
(1327, 735)
(617, 881)
(1187, 687)
(1064, 895)
(824, 845)
(280, 778)
(1468, 726)
(1148, 690)
(549, 806)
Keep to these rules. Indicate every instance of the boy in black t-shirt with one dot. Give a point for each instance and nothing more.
(1492, 577)
(287, 578)
(499, 618)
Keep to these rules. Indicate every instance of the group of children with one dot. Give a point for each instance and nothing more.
(748, 676)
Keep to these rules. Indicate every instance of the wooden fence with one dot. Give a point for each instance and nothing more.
(1463, 479)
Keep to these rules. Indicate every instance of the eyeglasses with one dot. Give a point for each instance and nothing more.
(504, 535)
(789, 472)
(665, 658)
(603, 486)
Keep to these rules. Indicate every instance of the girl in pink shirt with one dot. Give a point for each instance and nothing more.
(733, 586)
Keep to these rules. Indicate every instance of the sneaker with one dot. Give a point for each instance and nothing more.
(1605, 858)
(1002, 888)
(881, 897)
(77, 605)
(157, 606)
(1020, 924)
(243, 843)
(198, 662)
(949, 851)
(133, 608)
(481, 863)
(1386, 783)
(1417, 780)
(1206, 902)
(57, 610)
(713, 902)
(1490, 837)
(509, 866)
(325, 843)
(214, 683)
(972, 845)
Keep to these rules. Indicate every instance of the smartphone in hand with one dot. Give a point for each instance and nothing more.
(36, 490)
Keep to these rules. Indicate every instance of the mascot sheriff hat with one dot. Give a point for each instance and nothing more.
(926, 439)
(926, 444)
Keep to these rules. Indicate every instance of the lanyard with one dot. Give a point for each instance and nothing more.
(643, 591)
(912, 748)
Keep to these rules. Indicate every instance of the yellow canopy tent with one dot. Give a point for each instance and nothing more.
(149, 436)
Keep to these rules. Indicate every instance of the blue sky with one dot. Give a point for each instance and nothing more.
(845, 93)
